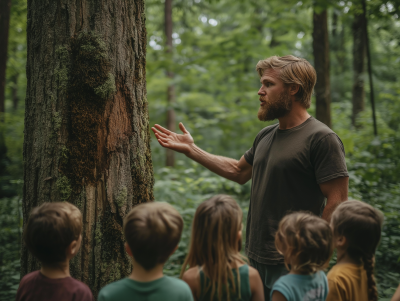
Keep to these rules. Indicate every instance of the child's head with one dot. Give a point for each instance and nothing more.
(216, 239)
(152, 232)
(357, 228)
(305, 241)
(53, 232)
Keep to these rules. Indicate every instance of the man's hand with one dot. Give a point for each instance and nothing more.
(177, 142)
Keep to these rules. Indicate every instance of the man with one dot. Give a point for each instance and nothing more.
(297, 164)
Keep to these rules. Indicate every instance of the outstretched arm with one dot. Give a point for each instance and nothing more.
(231, 169)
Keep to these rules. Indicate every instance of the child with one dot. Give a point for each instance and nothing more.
(305, 241)
(152, 232)
(53, 235)
(356, 231)
(217, 270)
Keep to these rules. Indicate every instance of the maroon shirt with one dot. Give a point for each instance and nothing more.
(35, 286)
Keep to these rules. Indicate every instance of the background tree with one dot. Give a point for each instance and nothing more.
(168, 23)
(321, 64)
(5, 6)
(86, 127)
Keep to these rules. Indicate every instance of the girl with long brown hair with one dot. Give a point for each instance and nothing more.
(217, 269)
(357, 230)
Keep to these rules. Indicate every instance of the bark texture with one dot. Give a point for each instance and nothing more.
(359, 54)
(170, 154)
(321, 64)
(5, 7)
(86, 124)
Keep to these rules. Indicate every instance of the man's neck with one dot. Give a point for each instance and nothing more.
(61, 270)
(295, 117)
(142, 275)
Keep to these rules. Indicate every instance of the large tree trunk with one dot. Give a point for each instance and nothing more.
(5, 6)
(321, 64)
(359, 52)
(86, 124)
(170, 154)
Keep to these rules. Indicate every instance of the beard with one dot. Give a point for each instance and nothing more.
(276, 108)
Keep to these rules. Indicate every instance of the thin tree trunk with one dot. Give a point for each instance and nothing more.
(170, 159)
(5, 6)
(86, 124)
(14, 91)
(321, 62)
(359, 52)
(371, 84)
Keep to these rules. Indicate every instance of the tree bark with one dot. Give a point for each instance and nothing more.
(321, 64)
(5, 6)
(170, 154)
(87, 125)
(359, 53)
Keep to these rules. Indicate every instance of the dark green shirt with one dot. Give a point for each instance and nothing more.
(288, 166)
(163, 289)
(243, 294)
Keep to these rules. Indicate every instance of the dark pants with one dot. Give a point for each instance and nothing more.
(269, 274)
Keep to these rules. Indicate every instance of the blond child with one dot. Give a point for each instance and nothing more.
(217, 269)
(356, 230)
(53, 235)
(152, 232)
(305, 241)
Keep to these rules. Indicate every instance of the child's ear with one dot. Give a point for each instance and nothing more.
(73, 247)
(340, 241)
(128, 249)
(239, 234)
(173, 251)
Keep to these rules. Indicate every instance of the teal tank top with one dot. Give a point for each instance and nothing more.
(244, 294)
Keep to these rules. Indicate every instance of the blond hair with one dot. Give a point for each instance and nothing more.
(361, 224)
(214, 245)
(305, 241)
(50, 229)
(292, 70)
(152, 231)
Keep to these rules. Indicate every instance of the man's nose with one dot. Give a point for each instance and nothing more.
(261, 91)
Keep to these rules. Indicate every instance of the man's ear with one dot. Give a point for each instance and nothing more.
(128, 250)
(293, 89)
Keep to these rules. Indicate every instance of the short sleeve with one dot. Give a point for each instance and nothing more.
(283, 289)
(328, 159)
(334, 293)
(249, 155)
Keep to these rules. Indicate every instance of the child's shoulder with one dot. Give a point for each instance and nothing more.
(344, 271)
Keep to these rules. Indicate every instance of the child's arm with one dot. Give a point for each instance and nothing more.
(256, 285)
(277, 296)
(191, 277)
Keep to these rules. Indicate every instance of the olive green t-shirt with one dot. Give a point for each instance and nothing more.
(288, 166)
(163, 289)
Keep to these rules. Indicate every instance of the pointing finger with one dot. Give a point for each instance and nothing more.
(182, 127)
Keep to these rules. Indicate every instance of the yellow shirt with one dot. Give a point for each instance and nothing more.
(347, 282)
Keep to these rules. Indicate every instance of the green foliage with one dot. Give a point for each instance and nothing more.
(10, 244)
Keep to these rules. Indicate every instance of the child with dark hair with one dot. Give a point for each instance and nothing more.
(357, 230)
(152, 232)
(53, 235)
(305, 241)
